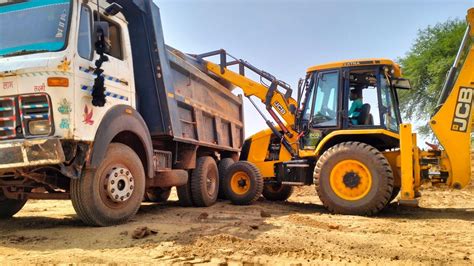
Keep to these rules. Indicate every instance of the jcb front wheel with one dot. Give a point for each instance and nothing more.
(277, 192)
(353, 178)
(112, 193)
(243, 183)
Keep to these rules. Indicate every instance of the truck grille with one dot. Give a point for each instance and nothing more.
(7, 118)
(34, 107)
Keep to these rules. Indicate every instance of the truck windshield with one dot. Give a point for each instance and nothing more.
(33, 26)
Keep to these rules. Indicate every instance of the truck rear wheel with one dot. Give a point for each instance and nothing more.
(157, 195)
(353, 178)
(243, 183)
(224, 164)
(185, 198)
(277, 192)
(9, 207)
(112, 193)
(205, 182)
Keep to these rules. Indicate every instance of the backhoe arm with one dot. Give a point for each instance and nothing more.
(451, 123)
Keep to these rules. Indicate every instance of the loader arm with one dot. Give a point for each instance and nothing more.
(273, 93)
(451, 122)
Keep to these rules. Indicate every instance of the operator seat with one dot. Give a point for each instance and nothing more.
(365, 118)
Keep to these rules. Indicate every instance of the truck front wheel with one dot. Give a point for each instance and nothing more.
(112, 193)
(9, 207)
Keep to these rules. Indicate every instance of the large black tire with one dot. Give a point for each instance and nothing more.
(9, 207)
(157, 195)
(224, 164)
(111, 194)
(353, 178)
(243, 183)
(185, 198)
(277, 192)
(205, 182)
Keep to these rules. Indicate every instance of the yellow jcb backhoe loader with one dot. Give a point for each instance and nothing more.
(345, 135)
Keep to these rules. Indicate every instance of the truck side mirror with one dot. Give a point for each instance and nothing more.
(101, 29)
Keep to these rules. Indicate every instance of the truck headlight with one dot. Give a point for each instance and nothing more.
(39, 127)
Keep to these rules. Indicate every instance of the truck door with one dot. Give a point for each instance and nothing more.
(117, 71)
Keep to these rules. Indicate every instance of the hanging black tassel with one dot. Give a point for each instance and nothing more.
(98, 91)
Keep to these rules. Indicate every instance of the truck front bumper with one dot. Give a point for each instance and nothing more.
(31, 152)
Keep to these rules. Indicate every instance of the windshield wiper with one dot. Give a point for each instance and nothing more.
(24, 52)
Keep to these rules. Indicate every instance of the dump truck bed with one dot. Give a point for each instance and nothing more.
(177, 98)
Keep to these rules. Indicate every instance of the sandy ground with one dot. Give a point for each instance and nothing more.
(297, 232)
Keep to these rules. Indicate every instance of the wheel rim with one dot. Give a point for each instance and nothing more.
(240, 183)
(350, 180)
(211, 184)
(118, 185)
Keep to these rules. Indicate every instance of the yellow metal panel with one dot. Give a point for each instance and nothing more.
(317, 151)
(393, 158)
(451, 124)
(406, 155)
(358, 62)
(416, 162)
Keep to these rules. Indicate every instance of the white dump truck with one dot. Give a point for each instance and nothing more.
(94, 107)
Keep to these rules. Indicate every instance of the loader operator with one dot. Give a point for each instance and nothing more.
(356, 105)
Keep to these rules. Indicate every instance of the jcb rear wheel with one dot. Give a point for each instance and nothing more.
(277, 192)
(243, 183)
(353, 178)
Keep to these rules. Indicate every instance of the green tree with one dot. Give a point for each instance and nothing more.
(426, 65)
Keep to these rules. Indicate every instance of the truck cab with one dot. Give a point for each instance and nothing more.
(96, 108)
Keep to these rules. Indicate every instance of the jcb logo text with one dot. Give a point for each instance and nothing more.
(462, 112)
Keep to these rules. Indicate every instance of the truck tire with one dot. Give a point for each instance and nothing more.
(9, 207)
(277, 192)
(243, 183)
(224, 164)
(157, 195)
(353, 178)
(205, 182)
(112, 193)
(185, 198)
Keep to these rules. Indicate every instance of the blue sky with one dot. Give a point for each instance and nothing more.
(285, 37)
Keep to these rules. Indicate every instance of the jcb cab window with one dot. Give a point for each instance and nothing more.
(322, 109)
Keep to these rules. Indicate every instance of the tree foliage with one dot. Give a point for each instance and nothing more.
(426, 65)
